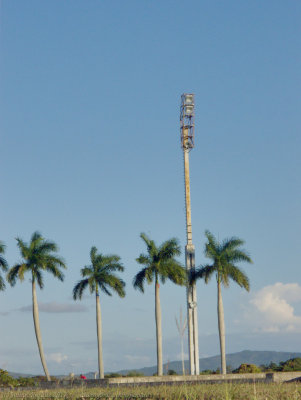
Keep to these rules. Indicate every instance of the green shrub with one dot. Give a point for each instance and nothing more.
(171, 372)
(294, 364)
(7, 380)
(113, 375)
(23, 382)
(134, 373)
(207, 372)
(247, 369)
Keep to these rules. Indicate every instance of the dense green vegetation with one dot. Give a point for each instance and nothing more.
(247, 369)
(293, 364)
(7, 381)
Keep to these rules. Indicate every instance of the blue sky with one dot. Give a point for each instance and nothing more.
(90, 94)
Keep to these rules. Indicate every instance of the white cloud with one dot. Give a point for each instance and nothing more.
(56, 357)
(58, 308)
(270, 309)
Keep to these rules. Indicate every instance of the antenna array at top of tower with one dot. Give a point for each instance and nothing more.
(187, 121)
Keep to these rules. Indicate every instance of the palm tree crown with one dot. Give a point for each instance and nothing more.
(100, 275)
(37, 257)
(224, 256)
(3, 265)
(159, 263)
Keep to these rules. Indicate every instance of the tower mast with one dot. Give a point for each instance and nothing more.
(187, 143)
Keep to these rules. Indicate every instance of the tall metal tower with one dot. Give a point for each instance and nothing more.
(187, 143)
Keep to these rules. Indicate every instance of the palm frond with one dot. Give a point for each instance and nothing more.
(17, 271)
(140, 278)
(114, 267)
(24, 250)
(39, 277)
(46, 246)
(87, 271)
(231, 243)
(104, 289)
(79, 288)
(143, 259)
(3, 264)
(111, 263)
(2, 248)
(92, 284)
(2, 283)
(58, 261)
(238, 256)
(238, 276)
(212, 247)
(35, 237)
(110, 259)
(169, 249)
(203, 272)
(150, 244)
(93, 253)
(145, 238)
(52, 267)
(117, 284)
(224, 276)
(174, 271)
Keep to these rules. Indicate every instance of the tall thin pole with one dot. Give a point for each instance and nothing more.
(187, 139)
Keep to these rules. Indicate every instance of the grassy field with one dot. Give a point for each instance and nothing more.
(259, 391)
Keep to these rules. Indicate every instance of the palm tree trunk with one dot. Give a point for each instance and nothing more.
(99, 337)
(35, 312)
(221, 326)
(158, 330)
(182, 355)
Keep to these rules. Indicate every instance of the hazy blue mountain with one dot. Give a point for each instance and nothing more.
(234, 360)
(19, 375)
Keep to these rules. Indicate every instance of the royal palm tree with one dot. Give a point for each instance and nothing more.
(160, 263)
(100, 277)
(38, 256)
(3, 265)
(224, 256)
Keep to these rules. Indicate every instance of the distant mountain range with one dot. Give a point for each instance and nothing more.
(234, 360)
(212, 363)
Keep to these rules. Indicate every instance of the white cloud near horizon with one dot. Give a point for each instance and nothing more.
(56, 357)
(54, 307)
(270, 309)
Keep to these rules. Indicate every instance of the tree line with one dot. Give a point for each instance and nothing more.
(159, 264)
